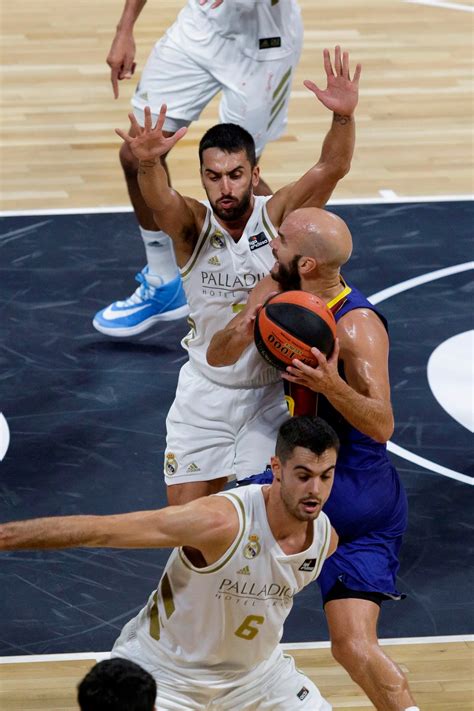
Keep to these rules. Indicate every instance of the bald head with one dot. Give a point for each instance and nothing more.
(312, 232)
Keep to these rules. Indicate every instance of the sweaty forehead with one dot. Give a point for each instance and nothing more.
(220, 161)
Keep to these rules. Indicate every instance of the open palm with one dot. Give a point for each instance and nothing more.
(148, 142)
(342, 93)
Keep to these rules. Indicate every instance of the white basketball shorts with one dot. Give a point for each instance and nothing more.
(275, 685)
(214, 431)
(188, 67)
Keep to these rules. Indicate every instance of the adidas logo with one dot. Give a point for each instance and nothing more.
(244, 571)
(214, 260)
(192, 468)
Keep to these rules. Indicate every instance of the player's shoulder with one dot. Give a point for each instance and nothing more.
(360, 318)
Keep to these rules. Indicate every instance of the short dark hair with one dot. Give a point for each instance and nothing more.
(117, 685)
(312, 433)
(231, 138)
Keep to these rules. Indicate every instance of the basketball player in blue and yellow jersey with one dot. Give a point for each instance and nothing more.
(351, 390)
(223, 247)
(210, 632)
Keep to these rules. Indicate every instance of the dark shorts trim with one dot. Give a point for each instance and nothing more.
(340, 592)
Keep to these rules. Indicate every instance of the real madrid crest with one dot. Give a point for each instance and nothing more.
(252, 548)
(217, 240)
(171, 465)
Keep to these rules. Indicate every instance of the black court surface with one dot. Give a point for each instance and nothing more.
(86, 416)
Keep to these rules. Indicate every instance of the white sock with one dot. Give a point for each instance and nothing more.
(412, 708)
(160, 257)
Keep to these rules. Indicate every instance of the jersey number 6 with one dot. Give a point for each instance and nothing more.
(247, 630)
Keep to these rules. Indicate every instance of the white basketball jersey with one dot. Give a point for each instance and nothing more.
(219, 622)
(263, 29)
(217, 280)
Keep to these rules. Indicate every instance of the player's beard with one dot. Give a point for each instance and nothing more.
(288, 276)
(238, 209)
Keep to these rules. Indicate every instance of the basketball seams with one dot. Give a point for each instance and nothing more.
(290, 324)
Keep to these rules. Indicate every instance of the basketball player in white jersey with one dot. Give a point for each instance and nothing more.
(223, 420)
(210, 632)
(248, 50)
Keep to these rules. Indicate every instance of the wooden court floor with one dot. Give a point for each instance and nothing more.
(414, 121)
(440, 675)
(414, 137)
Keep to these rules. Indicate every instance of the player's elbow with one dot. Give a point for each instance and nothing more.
(339, 167)
(212, 357)
(219, 357)
(383, 429)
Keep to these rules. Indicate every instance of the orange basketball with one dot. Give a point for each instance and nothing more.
(290, 324)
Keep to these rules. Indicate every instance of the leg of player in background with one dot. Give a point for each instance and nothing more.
(353, 630)
(179, 494)
(160, 296)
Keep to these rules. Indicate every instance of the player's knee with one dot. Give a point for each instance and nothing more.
(353, 654)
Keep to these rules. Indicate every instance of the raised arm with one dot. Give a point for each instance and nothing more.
(228, 344)
(180, 217)
(364, 400)
(209, 524)
(315, 187)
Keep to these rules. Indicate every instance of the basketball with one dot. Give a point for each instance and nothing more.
(291, 323)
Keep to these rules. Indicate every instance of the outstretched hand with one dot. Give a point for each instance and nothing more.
(342, 93)
(149, 143)
(321, 379)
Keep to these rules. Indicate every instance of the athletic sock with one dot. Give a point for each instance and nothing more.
(412, 708)
(160, 257)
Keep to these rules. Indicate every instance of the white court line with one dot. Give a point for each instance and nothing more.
(387, 294)
(416, 281)
(79, 656)
(349, 201)
(443, 4)
(388, 194)
(66, 211)
(427, 464)
(4, 436)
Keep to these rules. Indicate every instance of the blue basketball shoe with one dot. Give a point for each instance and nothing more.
(147, 305)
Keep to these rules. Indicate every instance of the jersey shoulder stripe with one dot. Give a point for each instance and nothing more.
(270, 229)
(202, 239)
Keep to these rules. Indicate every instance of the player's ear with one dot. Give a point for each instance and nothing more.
(306, 265)
(255, 175)
(276, 467)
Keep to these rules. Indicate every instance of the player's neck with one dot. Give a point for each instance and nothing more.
(235, 228)
(327, 286)
(292, 535)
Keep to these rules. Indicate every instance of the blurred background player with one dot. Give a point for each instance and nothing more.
(117, 685)
(248, 50)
